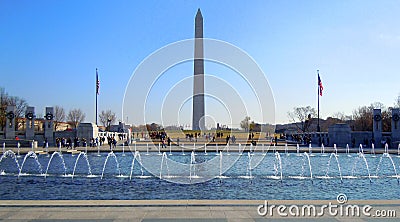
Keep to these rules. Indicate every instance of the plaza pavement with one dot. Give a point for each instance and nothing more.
(173, 210)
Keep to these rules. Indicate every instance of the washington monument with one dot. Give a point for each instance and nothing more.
(198, 74)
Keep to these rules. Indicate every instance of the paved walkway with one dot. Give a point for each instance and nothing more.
(184, 210)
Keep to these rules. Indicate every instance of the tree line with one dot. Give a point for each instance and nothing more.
(76, 116)
(361, 119)
(73, 117)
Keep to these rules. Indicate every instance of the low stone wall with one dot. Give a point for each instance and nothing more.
(339, 134)
(361, 137)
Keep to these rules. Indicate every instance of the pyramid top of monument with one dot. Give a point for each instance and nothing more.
(198, 14)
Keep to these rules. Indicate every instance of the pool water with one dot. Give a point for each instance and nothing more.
(230, 176)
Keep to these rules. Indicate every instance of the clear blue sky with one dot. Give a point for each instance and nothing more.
(49, 50)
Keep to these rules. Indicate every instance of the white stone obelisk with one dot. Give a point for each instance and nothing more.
(198, 80)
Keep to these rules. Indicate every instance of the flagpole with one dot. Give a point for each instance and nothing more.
(318, 94)
(97, 91)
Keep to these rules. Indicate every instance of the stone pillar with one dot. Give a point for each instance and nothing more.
(87, 131)
(395, 126)
(30, 123)
(377, 127)
(48, 125)
(10, 123)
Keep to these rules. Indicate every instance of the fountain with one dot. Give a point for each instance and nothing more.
(220, 167)
(139, 160)
(297, 149)
(398, 150)
(360, 149)
(278, 166)
(147, 148)
(338, 166)
(373, 150)
(62, 162)
(87, 164)
(286, 149)
(216, 148)
(34, 156)
(170, 149)
(9, 153)
(387, 155)
(123, 149)
(306, 156)
(310, 150)
(264, 153)
(205, 149)
(98, 150)
(18, 149)
(248, 168)
(192, 167)
(148, 173)
(129, 148)
(111, 154)
(348, 150)
(322, 149)
(386, 148)
(362, 157)
(164, 160)
(4, 147)
(335, 148)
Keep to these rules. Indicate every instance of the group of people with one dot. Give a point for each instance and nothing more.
(191, 136)
(112, 142)
(70, 143)
(209, 137)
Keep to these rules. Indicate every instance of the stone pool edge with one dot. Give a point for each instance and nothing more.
(126, 203)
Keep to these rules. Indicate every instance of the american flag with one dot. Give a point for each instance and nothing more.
(321, 88)
(97, 83)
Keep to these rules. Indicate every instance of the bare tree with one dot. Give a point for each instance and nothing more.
(107, 117)
(245, 124)
(302, 117)
(153, 127)
(377, 105)
(3, 107)
(340, 116)
(59, 116)
(20, 108)
(75, 116)
(363, 117)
